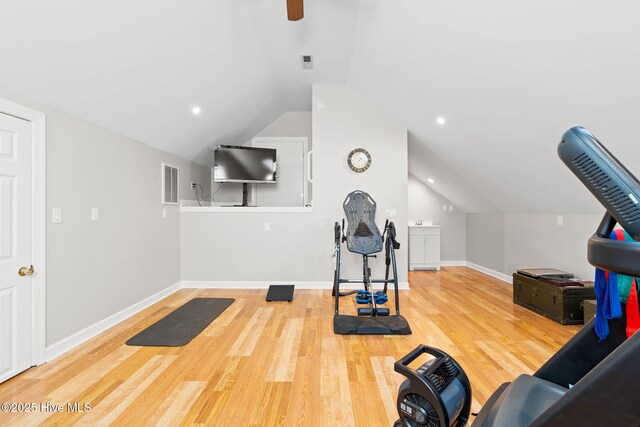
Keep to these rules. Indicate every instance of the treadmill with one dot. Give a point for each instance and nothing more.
(587, 382)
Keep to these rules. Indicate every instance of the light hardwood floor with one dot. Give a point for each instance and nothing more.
(265, 363)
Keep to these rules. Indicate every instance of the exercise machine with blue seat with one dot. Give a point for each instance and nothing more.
(594, 379)
(363, 237)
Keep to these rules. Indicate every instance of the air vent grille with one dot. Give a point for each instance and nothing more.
(169, 184)
(623, 205)
(442, 375)
(419, 401)
(591, 170)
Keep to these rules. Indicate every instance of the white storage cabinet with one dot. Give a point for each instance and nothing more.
(424, 247)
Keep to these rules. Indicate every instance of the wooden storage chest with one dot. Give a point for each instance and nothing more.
(563, 304)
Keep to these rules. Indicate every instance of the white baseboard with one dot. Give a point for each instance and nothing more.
(55, 350)
(59, 348)
(89, 332)
(453, 263)
(231, 284)
(490, 272)
(239, 284)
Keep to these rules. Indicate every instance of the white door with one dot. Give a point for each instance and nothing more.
(417, 250)
(433, 249)
(15, 245)
(288, 189)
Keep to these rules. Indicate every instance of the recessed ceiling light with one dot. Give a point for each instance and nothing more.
(430, 180)
(441, 120)
(196, 110)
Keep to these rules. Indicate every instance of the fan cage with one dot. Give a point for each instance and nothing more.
(420, 401)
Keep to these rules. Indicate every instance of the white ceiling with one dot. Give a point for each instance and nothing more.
(510, 76)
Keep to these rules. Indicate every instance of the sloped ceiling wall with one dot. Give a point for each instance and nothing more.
(138, 67)
(425, 164)
(509, 76)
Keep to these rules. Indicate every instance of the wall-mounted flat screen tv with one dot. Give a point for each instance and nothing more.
(244, 164)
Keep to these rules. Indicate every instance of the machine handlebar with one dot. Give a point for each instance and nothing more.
(402, 365)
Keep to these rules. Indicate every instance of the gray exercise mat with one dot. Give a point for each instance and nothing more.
(183, 324)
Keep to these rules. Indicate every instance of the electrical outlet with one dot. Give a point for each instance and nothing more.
(560, 220)
(95, 214)
(56, 215)
(193, 184)
(267, 226)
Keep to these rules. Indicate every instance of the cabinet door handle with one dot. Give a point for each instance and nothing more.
(534, 293)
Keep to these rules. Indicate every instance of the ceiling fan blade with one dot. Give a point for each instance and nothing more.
(295, 10)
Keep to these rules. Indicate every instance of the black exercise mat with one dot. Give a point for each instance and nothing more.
(183, 324)
(366, 325)
(280, 293)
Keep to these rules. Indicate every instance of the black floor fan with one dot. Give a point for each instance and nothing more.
(437, 394)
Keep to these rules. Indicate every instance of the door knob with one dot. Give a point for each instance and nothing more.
(26, 271)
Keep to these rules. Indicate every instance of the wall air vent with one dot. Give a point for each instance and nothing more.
(307, 62)
(169, 184)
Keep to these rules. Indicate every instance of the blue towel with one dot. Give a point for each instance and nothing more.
(607, 297)
(612, 308)
(600, 286)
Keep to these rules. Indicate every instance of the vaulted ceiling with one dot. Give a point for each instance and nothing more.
(509, 76)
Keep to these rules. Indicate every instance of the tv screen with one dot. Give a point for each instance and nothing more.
(244, 164)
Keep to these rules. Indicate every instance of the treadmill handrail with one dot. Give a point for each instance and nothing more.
(618, 256)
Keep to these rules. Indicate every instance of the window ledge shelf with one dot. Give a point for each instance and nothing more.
(244, 209)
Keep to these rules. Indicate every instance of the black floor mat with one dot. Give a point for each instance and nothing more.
(183, 324)
(280, 293)
(363, 325)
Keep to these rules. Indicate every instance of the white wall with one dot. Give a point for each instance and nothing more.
(485, 240)
(350, 120)
(534, 240)
(95, 269)
(506, 242)
(290, 124)
(426, 204)
(234, 247)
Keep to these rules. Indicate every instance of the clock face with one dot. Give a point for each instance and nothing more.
(359, 160)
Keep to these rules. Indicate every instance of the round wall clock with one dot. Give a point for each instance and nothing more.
(359, 160)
